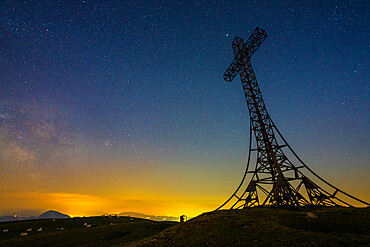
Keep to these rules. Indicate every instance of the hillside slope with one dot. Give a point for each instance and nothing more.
(269, 227)
(102, 231)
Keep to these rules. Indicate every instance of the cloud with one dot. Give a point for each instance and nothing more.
(133, 201)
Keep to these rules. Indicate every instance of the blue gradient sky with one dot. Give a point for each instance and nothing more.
(125, 100)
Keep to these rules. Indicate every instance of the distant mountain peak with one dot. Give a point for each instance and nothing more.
(52, 214)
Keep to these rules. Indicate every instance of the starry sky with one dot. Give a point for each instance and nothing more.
(111, 106)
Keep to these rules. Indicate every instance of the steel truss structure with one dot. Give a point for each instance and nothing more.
(280, 181)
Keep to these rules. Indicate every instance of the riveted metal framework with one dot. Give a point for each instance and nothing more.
(274, 174)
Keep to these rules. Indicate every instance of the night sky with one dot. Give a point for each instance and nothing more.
(111, 106)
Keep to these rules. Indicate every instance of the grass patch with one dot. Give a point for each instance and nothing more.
(269, 227)
(102, 233)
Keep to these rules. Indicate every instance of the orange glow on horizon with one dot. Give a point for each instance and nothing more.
(88, 205)
(160, 189)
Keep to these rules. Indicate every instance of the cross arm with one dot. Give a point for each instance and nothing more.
(231, 71)
(244, 49)
(254, 41)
